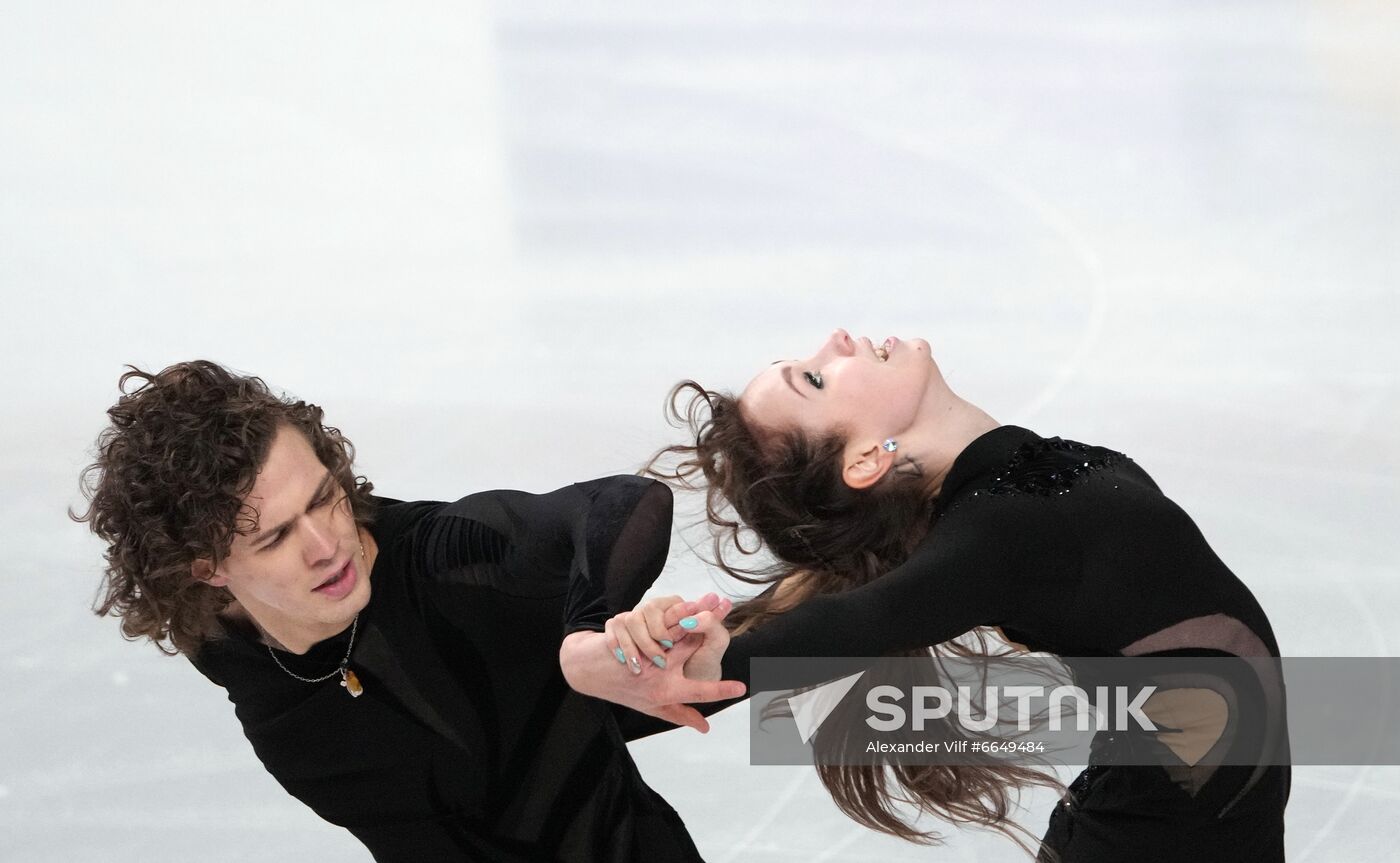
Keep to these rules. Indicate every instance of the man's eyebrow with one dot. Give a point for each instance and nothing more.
(787, 376)
(273, 531)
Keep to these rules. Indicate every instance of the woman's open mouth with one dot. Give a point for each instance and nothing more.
(883, 351)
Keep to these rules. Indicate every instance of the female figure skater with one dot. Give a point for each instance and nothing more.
(902, 516)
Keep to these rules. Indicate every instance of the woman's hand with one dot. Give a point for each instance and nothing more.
(649, 631)
(688, 671)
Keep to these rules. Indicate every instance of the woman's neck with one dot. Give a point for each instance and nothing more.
(938, 438)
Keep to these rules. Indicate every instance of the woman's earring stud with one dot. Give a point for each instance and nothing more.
(890, 445)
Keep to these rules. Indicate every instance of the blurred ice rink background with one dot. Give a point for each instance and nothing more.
(489, 237)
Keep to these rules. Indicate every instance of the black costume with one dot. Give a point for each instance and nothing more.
(467, 744)
(1072, 550)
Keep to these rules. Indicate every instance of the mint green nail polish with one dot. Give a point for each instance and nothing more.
(660, 661)
(667, 643)
(621, 657)
(689, 623)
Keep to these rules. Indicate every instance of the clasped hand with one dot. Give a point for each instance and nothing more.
(656, 659)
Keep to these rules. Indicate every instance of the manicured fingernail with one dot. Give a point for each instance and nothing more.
(689, 623)
(667, 643)
(636, 666)
(659, 661)
(617, 651)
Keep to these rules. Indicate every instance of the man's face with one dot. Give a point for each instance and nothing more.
(305, 536)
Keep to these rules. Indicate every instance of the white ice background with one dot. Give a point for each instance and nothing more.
(489, 237)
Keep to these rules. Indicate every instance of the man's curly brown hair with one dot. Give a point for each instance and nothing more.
(183, 450)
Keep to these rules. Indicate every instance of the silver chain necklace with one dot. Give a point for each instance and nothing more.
(347, 677)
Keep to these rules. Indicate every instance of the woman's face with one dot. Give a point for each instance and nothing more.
(848, 384)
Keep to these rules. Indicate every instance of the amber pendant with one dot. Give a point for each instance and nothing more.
(350, 681)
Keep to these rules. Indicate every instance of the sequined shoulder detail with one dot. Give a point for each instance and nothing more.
(1050, 467)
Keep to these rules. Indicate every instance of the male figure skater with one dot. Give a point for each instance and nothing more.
(394, 664)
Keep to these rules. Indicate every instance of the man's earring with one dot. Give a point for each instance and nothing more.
(890, 445)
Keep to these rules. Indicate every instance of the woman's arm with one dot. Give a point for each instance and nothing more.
(961, 576)
(969, 571)
(955, 580)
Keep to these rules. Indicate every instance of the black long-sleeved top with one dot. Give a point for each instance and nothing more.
(467, 743)
(1071, 549)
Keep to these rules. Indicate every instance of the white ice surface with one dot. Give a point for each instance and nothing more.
(489, 238)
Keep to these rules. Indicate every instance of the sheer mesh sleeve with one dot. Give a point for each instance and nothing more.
(628, 536)
(598, 544)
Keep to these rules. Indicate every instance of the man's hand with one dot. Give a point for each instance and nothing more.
(591, 666)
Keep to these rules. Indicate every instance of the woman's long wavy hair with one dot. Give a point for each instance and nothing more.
(785, 490)
(173, 468)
